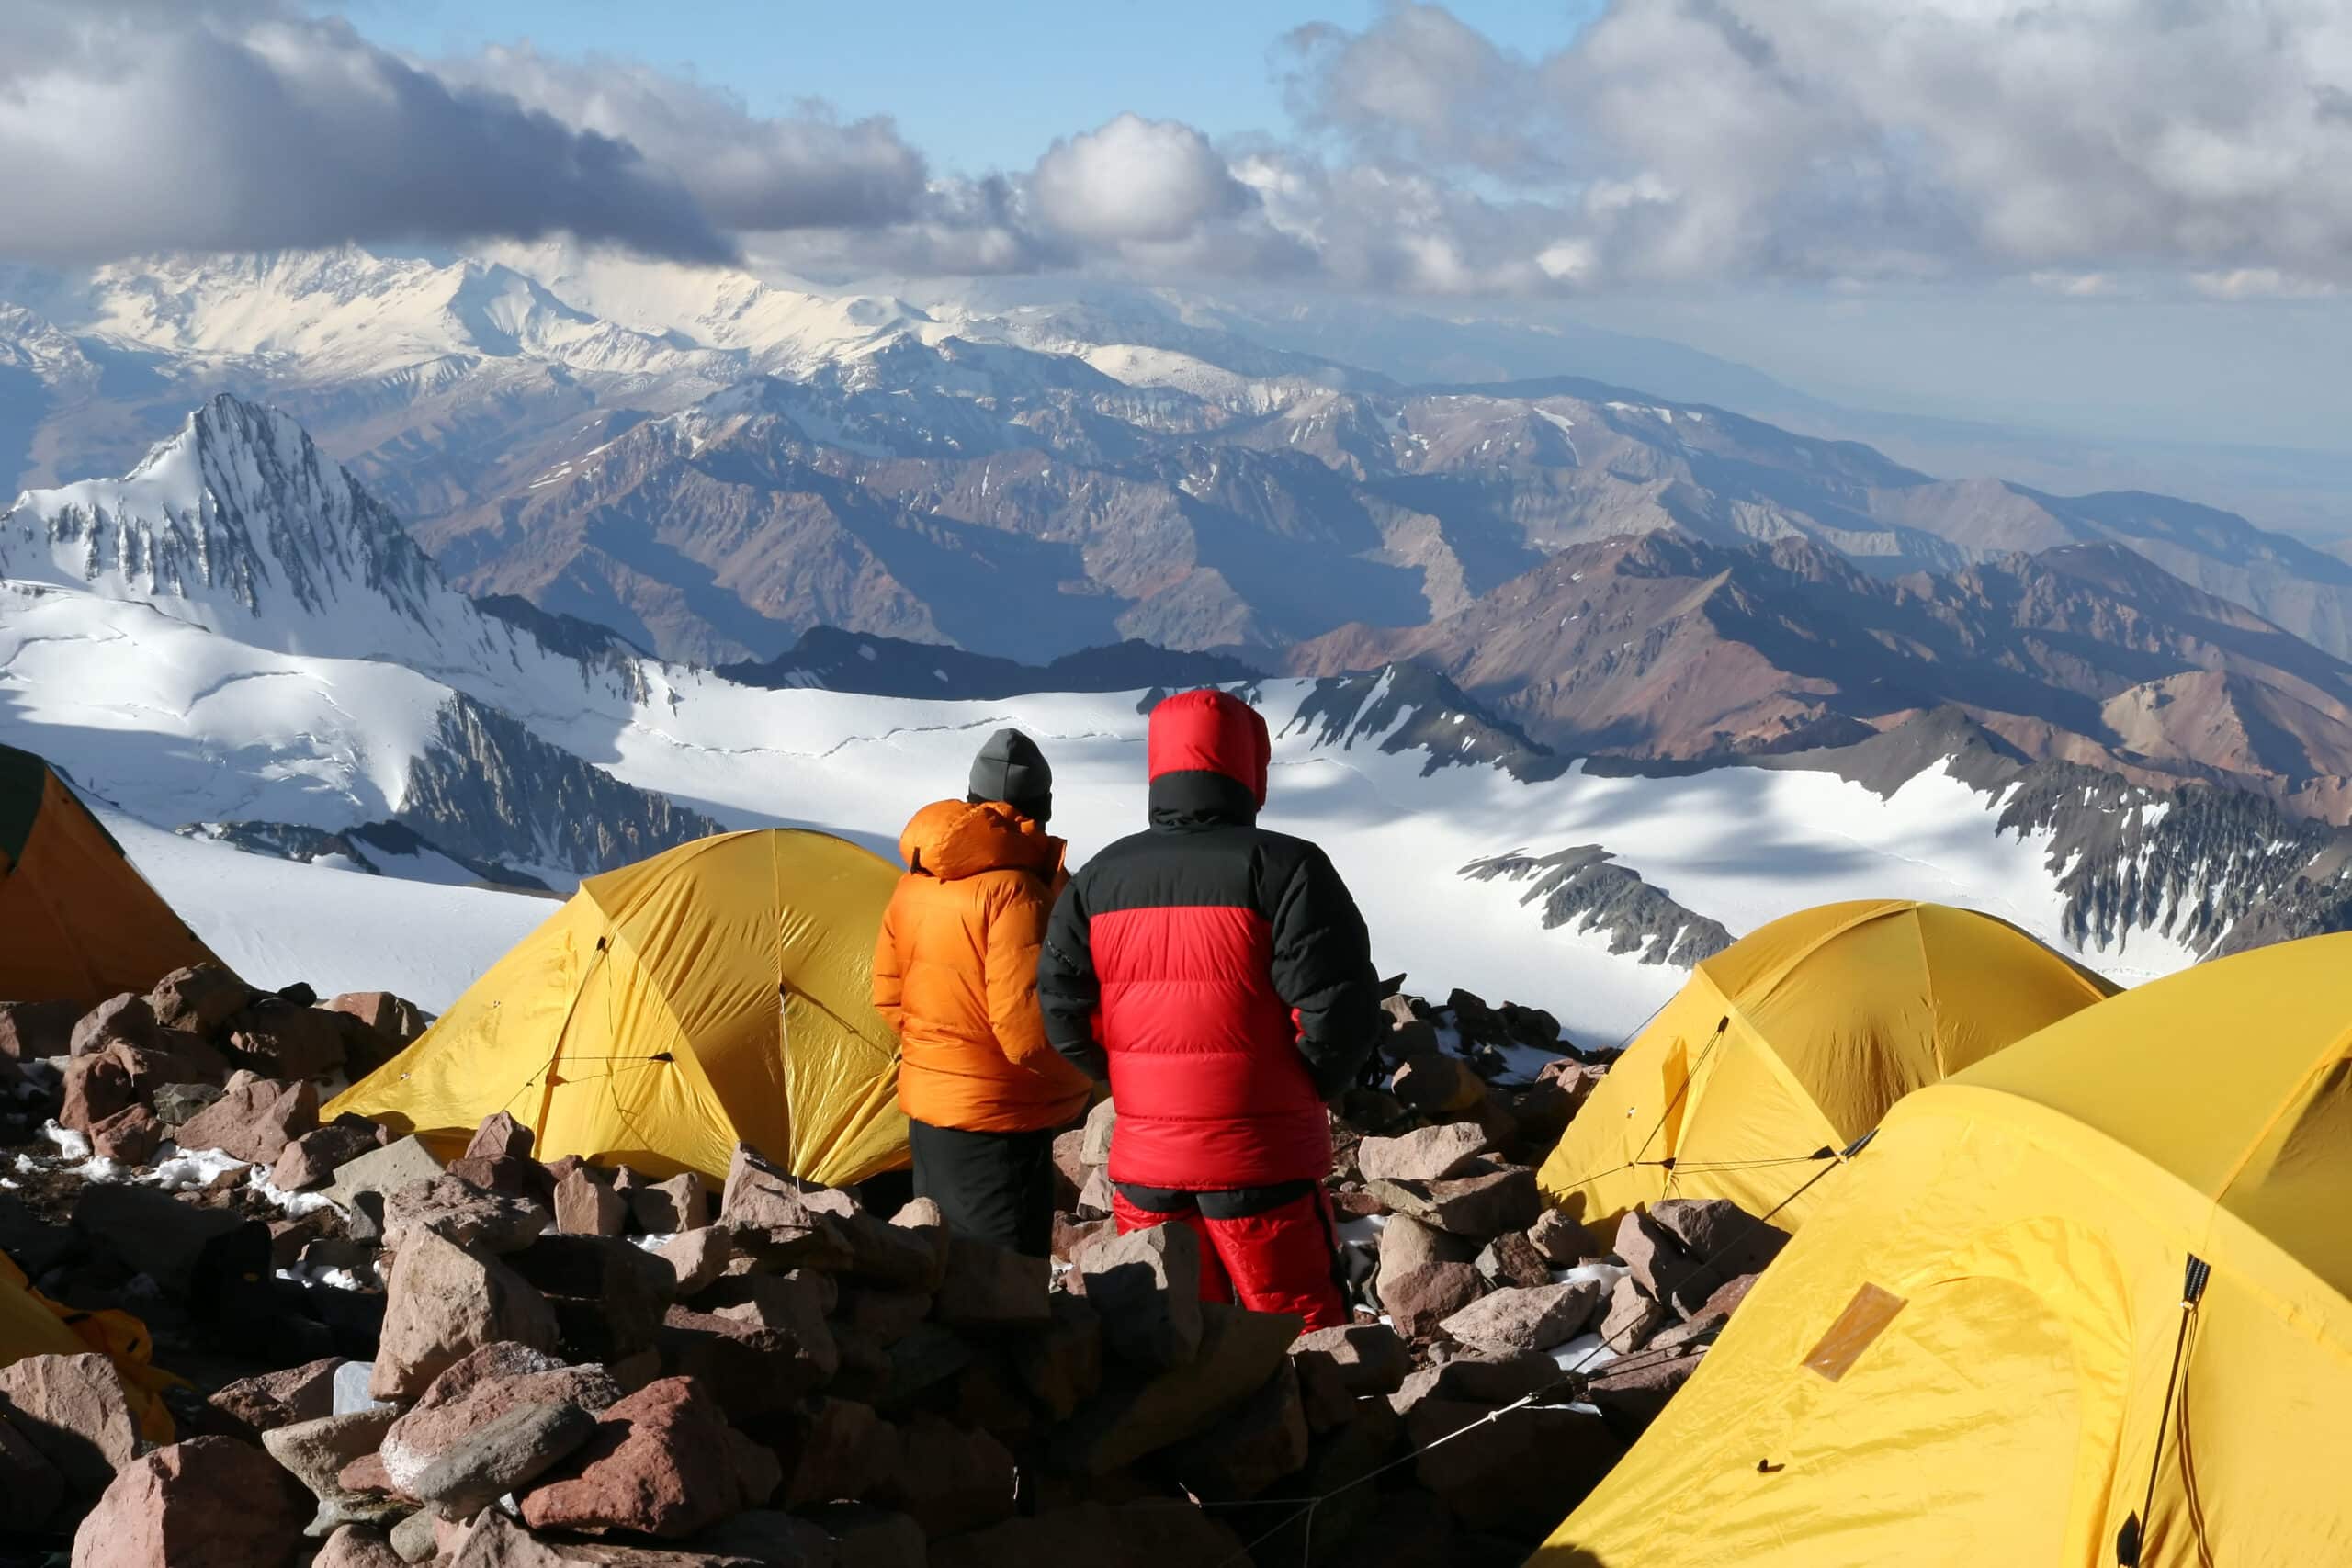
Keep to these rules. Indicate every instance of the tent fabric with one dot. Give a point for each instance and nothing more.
(32, 1325)
(641, 1025)
(1792, 1042)
(78, 921)
(2035, 1216)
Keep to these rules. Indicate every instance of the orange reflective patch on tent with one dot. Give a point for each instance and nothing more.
(32, 1325)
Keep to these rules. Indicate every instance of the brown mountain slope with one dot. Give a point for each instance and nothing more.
(1668, 647)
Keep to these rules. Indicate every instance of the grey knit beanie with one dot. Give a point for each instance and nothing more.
(1010, 768)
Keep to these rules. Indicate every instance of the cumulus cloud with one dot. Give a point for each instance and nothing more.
(808, 170)
(1151, 181)
(150, 126)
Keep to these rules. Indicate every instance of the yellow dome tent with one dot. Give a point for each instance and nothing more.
(78, 921)
(1981, 1349)
(719, 992)
(32, 1325)
(1792, 1042)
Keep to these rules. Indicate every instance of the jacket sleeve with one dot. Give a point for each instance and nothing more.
(889, 971)
(1068, 992)
(1322, 971)
(1016, 938)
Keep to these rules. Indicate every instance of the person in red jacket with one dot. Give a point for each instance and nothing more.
(1219, 975)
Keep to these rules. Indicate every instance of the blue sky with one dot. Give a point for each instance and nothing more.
(979, 87)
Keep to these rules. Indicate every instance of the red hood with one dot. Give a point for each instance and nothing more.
(1211, 731)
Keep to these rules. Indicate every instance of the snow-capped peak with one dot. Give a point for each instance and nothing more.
(239, 523)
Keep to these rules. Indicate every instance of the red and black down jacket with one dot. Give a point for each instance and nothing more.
(1218, 974)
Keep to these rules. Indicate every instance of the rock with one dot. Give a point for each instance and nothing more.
(1660, 1265)
(505, 1456)
(698, 1257)
(607, 1295)
(1561, 1240)
(366, 1475)
(662, 1462)
(1256, 1444)
(458, 1211)
(280, 1040)
(207, 1503)
(37, 1030)
(1061, 1365)
(129, 1136)
(929, 1355)
(499, 1136)
(178, 1059)
(1708, 1320)
(1070, 1168)
(1146, 1285)
(1425, 1276)
(585, 1205)
(950, 1480)
(399, 1021)
(778, 1218)
(668, 1207)
(1152, 1533)
(1428, 1154)
(479, 1391)
(1477, 1377)
(415, 1539)
(882, 1315)
(1526, 1318)
(1138, 1413)
(1072, 1240)
(507, 1175)
(1515, 1475)
(280, 1399)
(1481, 1206)
(922, 1219)
(1437, 1085)
(1720, 1234)
(775, 1541)
(1338, 1465)
(30, 1487)
(496, 1541)
(351, 1380)
(314, 1452)
(1100, 1123)
(442, 1304)
(1631, 1317)
(200, 999)
(127, 1018)
(399, 1164)
(987, 1284)
(753, 1366)
(1097, 1195)
(356, 1546)
(178, 1103)
(196, 1254)
(1512, 1260)
(1629, 1398)
(254, 1119)
(865, 1536)
(844, 1450)
(95, 1089)
(1371, 1358)
(72, 1409)
(313, 1159)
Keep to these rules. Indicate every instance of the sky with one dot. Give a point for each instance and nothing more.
(2119, 218)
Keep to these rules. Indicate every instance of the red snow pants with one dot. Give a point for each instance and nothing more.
(1272, 1249)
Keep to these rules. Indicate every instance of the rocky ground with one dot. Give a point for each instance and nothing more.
(510, 1362)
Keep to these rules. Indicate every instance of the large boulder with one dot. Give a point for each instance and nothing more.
(313, 1159)
(502, 1457)
(95, 1089)
(254, 1119)
(442, 1304)
(200, 999)
(1061, 1365)
(457, 1211)
(129, 1136)
(479, 1391)
(281, 1040)
(280, 1399)
(988, 1285)
(1370, 1357)
(196, 1255)
(1526, 1318)
(586, 1204)
(1561, 1240)
(1100, 1123)
(30, 1487)
(607, 1295)
(1631, 1396)
(662, 1462)
(1481, 1205)
(1146, 1286)
(1139, 1412)
(356, 1546)
(315, 1452)
(841, 1449)
(74, 1410)
(1517, 1475)
(381, 1172)
(1437, 1085)
(665, 1208)
(400, 1021)
(207, 1503)
(34, 1031)
(1661, 1266)
(698, 1257)
(1425, 1277)
(127, 1018)
(1721, 1234)
(951, 1479)
(1631, 1317)
(753, 1364)
(1426, 1153)
(1249, 1448)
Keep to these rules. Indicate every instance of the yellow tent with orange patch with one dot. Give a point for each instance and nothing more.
(717, 993)
(2086, 1302)
(1792, 1042)
(78, 921)
(32, 1325)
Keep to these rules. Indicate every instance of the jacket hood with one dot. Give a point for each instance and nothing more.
(954, 839)
(1208, 754)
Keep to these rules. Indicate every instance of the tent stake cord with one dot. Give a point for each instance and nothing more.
(2132, 1538)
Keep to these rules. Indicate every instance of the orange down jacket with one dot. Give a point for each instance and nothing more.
(956, 972)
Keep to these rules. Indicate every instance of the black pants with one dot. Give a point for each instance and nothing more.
(992, 1187)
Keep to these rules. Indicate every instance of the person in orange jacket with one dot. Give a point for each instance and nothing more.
(955, 973)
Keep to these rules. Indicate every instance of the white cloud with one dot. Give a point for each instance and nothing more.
(1158, 182)
(2260, 283)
